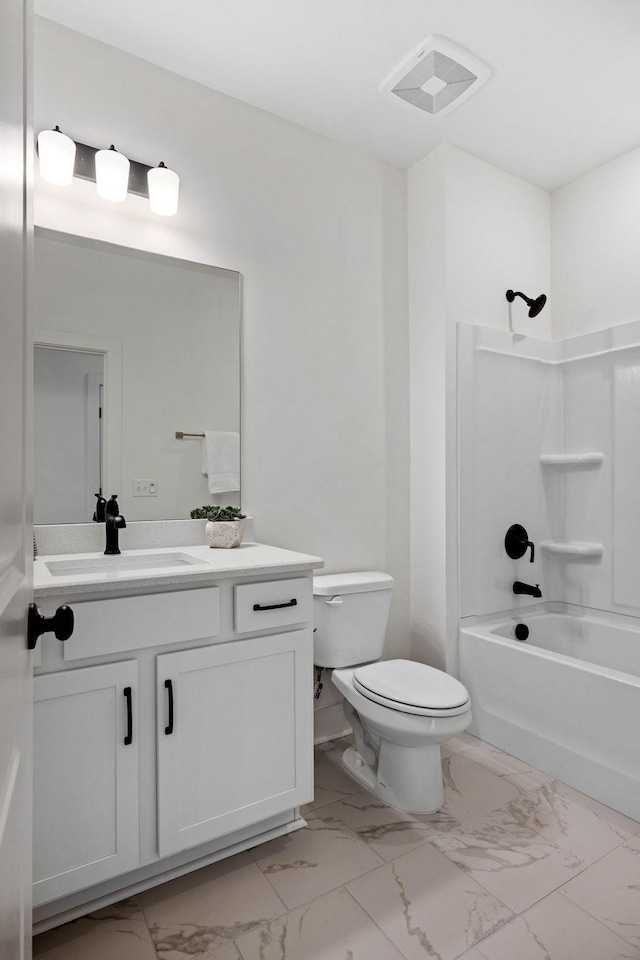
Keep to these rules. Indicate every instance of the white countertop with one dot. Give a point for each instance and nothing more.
(247, 560)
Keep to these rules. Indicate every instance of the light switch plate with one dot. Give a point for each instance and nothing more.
(145, 488)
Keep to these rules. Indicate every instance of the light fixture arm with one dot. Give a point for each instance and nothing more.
(85, 169)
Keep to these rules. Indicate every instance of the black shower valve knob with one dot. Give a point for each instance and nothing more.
(517, 542)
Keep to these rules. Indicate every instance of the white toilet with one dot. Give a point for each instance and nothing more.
(400, 710)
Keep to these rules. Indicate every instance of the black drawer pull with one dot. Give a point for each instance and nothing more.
(128, 740)
(169, 686)
(275, 606)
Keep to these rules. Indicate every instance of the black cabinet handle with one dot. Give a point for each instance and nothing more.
(169, 687)
(129, 737)
(275, 606)
(61, 623)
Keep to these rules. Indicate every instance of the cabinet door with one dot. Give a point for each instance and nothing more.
(85, 777)
(237, 745)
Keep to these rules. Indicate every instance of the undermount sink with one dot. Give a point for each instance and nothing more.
(119, 564)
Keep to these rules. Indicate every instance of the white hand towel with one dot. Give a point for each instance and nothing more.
(221, 460)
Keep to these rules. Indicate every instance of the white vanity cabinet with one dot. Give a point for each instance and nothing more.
(233, 736)
(211, 688)
(85, 777)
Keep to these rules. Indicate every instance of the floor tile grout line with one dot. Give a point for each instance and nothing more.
(558, 889)
(376, 924)
(599, 920)
(320, 896)
(136, 897)
(552, 779)
(250, 852)
(474, 946)
(501, 776)
(325, 892)
(406, 853)
(584, 909)
(285, 909)
(504, 809)
(519, 916)
(469, 947)
(355, 835)
(325, 803)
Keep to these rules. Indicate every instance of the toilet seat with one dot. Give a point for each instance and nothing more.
(411, 687)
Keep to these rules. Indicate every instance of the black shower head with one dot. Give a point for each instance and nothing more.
(535, 306)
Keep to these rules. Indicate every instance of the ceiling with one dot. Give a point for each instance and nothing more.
(563, 97)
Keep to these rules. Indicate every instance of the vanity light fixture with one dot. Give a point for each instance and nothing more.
(112, 175)
(61, 159)
(164, 185)
(56, 157)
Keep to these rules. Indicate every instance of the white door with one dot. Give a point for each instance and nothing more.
(85, 817)
(15, 488)
(67, 434)
(235, 736)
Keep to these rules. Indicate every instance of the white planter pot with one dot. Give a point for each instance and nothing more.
(224, 533)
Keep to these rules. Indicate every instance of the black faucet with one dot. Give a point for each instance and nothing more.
(101, 509)
(113, 524)
(520, 587)
(111, 508)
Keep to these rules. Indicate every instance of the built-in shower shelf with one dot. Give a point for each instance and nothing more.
(577, 549)
(571, 459)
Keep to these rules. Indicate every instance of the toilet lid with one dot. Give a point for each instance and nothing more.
(408, 685)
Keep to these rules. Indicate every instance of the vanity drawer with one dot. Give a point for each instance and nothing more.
(275, 603)
(131, 623)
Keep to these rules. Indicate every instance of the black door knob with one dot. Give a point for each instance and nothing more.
(61, 623)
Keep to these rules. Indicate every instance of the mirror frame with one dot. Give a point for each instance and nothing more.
(111, 349)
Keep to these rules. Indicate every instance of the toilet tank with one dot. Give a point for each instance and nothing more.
(350, 617)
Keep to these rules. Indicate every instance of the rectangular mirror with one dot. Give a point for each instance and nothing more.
(132, 348)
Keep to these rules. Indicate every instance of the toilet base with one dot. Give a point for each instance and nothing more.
(405, 778)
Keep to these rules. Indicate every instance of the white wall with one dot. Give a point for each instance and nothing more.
(428, 326)
(596, 247)
(498, 238)
(474, 232)
(318, 232)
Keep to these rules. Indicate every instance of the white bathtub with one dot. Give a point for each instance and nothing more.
(567, 700)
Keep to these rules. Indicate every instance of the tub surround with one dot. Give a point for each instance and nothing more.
(568, 473)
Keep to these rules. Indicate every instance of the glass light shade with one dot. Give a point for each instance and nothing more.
(56, 157)
(112, 174)
(164, 185)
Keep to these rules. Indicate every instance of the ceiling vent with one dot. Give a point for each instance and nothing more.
(436, 76)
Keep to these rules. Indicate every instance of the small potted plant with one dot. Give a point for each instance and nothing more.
(224, 527)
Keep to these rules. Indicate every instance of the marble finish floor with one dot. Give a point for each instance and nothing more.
(516, 866)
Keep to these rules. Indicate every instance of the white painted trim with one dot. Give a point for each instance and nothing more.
(111, 349)
(11, 576)
(8, 790)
